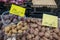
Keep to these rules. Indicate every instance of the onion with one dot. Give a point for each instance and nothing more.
(3, 0)
(20, 1)
(12, 1)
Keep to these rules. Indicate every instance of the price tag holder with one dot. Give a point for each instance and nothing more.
(17, 10)
(50, 20)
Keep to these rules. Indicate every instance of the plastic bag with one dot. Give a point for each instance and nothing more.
(9, 18)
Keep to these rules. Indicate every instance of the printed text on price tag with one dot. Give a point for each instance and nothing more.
(50, 20)
(17, 10)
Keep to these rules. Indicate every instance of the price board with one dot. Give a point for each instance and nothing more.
(50, 20)
(17, 10)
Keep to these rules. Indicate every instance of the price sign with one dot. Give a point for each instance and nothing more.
(50, 20)
(17, 10)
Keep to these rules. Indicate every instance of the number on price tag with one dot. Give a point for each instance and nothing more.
(17, 10)
(50, 20)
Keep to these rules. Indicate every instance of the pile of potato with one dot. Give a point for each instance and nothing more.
(32, 29)
(38, 32)
(13, 29)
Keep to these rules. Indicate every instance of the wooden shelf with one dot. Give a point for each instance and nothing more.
(44, 3)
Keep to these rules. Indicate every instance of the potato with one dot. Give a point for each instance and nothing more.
(28, 20)
(6, 33)
(24, 23)
(19, 27)
(39, 23)
(55, 36)
(51, 31)
(30, 39)
(45, 38)
(29, 36)
(33, 20)
(36, 29)
(34, 25)
(41, 39)
(33, 38)
(7, 29)
(32, 35)
(20, 23)
(37, 37)
(47, 29)
(20, 31)
(41, 34)
(43, 29)
(14, 26)
(36, 32)
(31, 30)
(59, 34)
(24, 32)
(50, 37)
(24, 28)
(39, 28)
(23, 38)
(56, 30)
(47, 34)
(9, 34)
(14, 31)
(39, 20)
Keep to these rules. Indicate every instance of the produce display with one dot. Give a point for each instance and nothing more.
(35, 30)
(13, 27)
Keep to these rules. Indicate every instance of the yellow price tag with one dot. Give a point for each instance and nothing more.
(17, 10)
(50, 20)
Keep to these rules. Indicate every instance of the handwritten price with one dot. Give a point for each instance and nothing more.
(17, 10)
